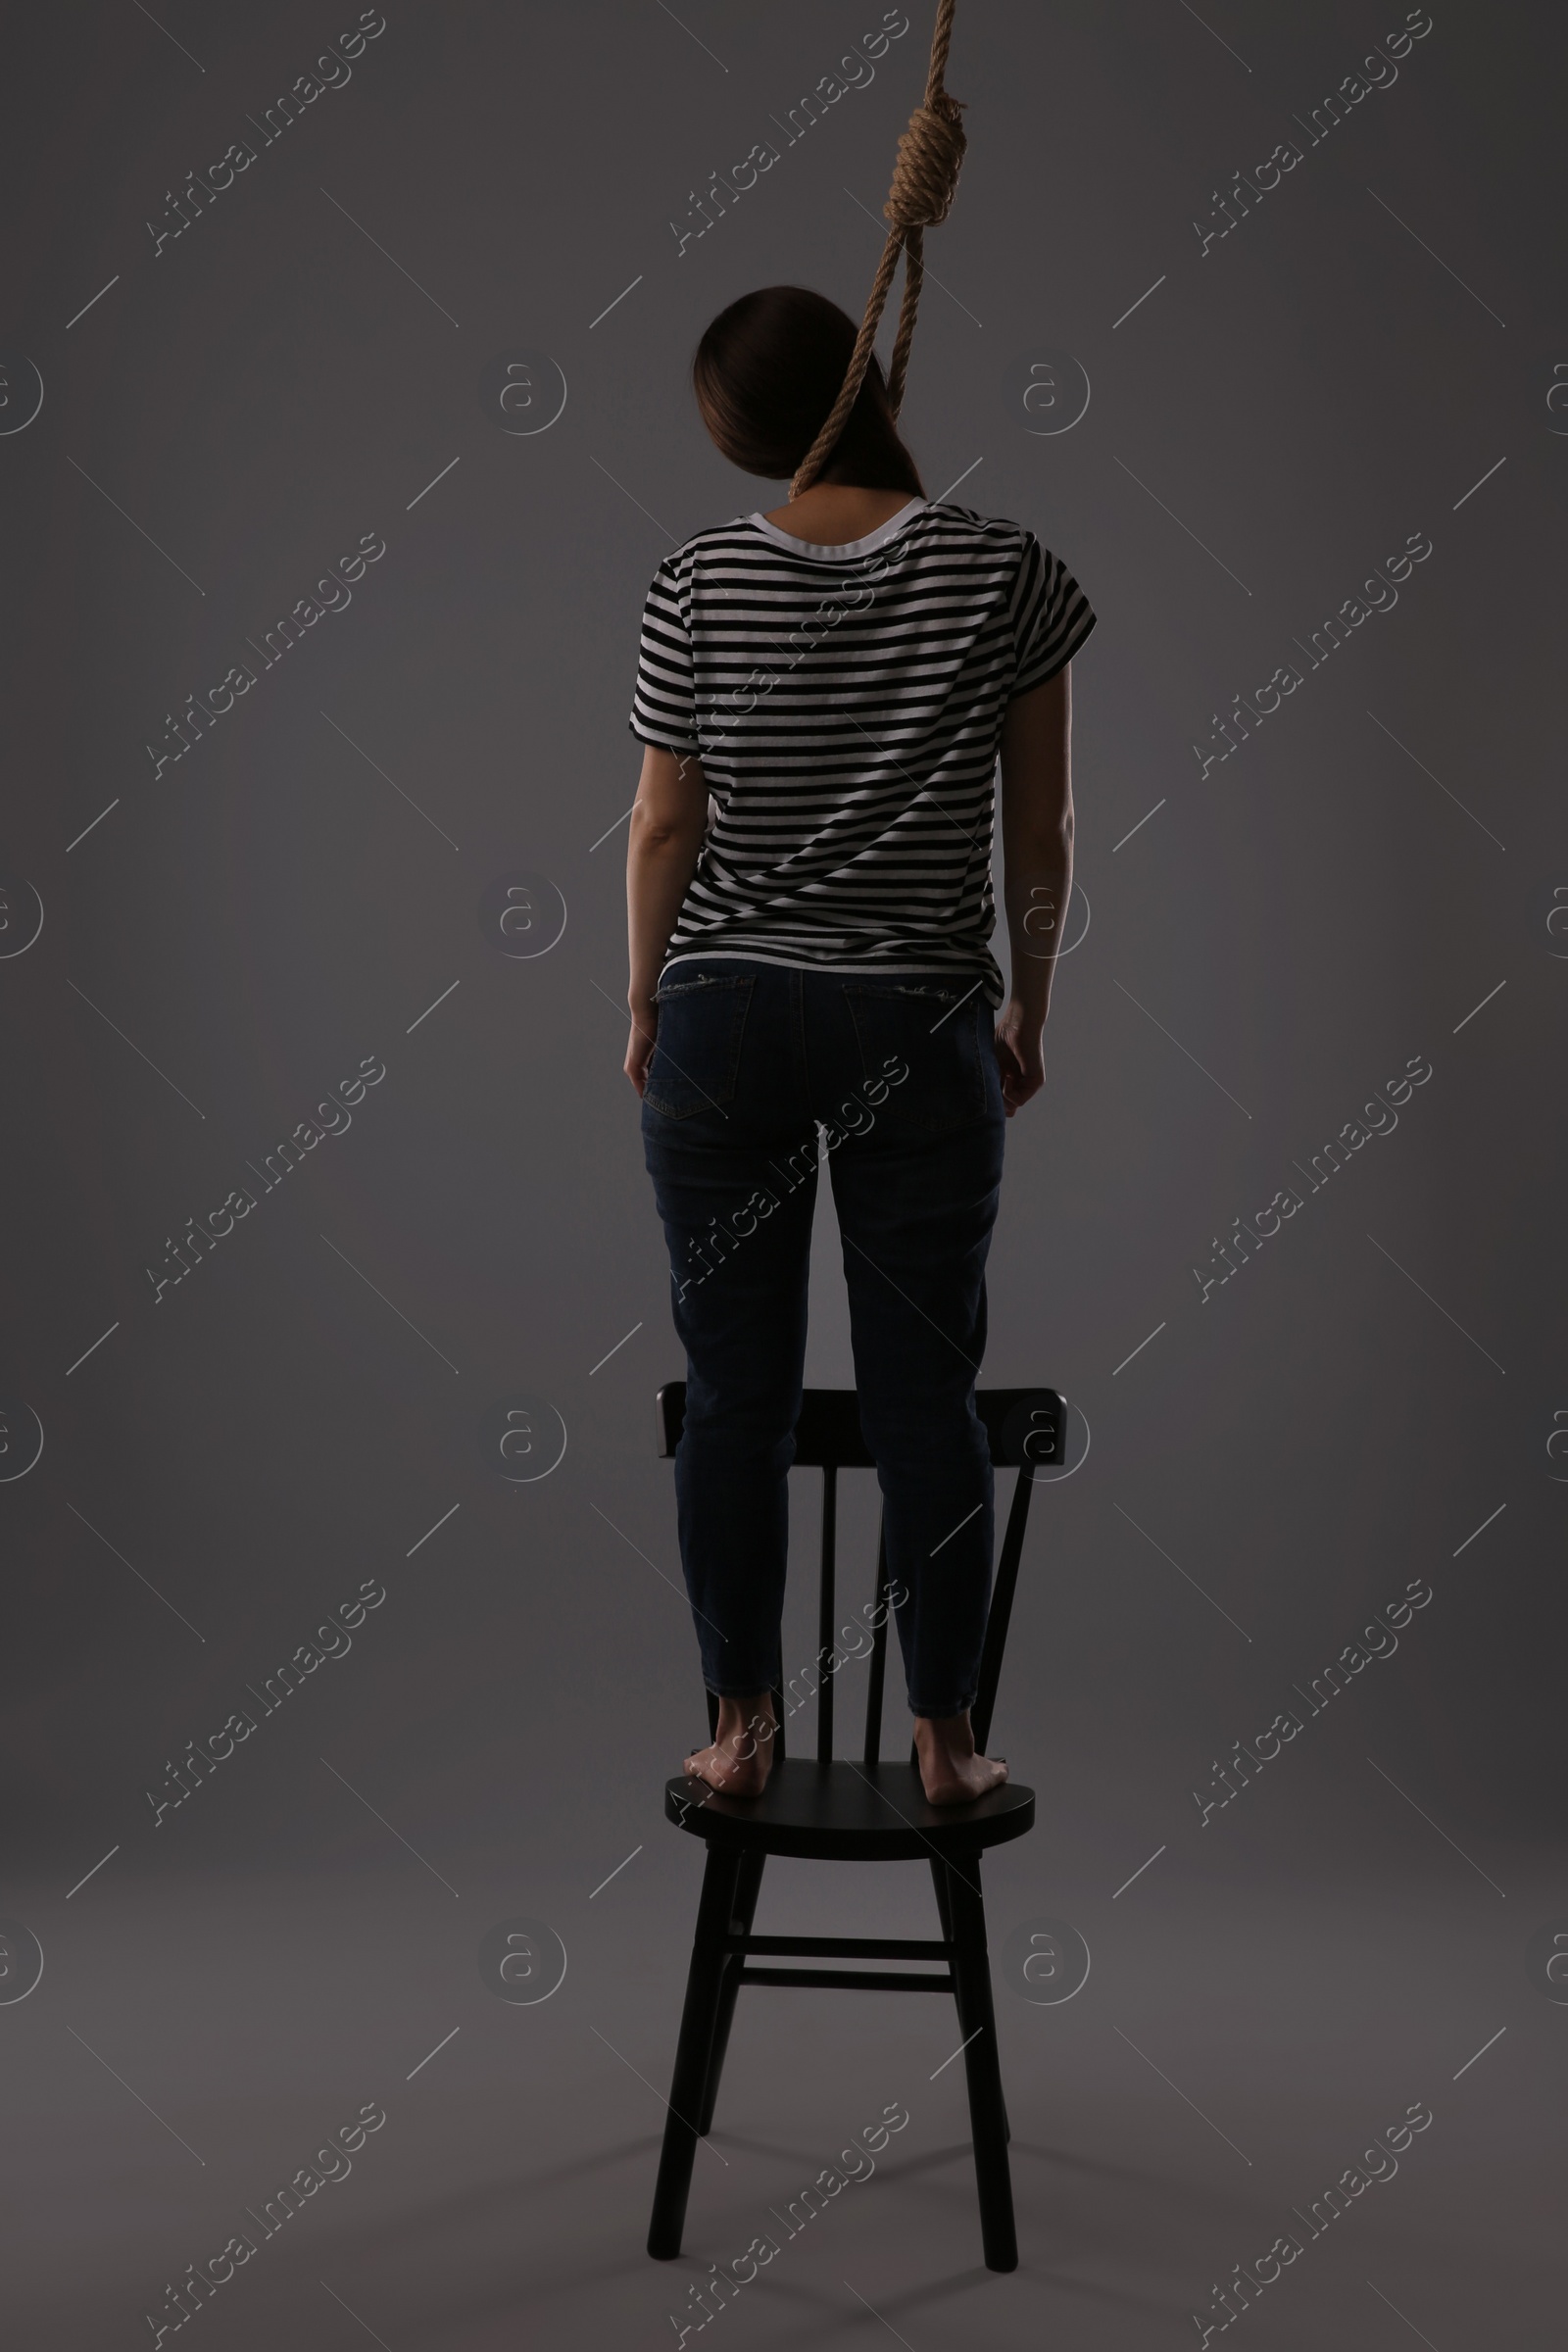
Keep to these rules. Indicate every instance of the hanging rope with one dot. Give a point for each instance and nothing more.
(925, 181)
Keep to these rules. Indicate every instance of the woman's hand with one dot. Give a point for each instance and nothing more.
(640, 1044)
(1018, 1056)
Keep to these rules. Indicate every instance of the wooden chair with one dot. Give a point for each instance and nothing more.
(836, 1810)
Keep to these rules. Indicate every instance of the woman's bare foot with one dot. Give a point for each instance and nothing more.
(737, 1764)
(951, 1773)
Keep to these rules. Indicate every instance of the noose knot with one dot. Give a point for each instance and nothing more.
(925, 170)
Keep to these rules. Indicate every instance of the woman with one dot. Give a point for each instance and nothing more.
(822, 693)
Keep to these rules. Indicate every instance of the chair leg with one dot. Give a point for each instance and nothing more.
(748, 1886)
(687, 2088)
(988, 2114)
(939, 1879)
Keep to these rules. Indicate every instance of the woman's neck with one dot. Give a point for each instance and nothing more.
(836, 514)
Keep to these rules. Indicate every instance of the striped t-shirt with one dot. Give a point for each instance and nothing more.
(846, 704)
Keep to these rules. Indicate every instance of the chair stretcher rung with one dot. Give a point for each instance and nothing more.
(842, 1947)
(867, 1980)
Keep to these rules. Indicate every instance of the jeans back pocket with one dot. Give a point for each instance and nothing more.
(697, 1048)
(930, 1041)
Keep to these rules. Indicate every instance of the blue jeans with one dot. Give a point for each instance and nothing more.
(899, 1073)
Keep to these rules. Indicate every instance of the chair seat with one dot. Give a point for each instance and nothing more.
(849, 1812)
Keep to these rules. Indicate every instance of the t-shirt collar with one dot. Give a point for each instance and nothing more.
(846, 551)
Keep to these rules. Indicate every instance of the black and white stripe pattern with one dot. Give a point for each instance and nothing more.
(846, 704)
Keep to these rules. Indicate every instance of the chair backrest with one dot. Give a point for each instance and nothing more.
(1028, 1431)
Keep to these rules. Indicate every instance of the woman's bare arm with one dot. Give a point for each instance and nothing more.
(1037, 872)
(669, 819)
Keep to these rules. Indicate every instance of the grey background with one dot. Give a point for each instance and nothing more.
(1376, 1385)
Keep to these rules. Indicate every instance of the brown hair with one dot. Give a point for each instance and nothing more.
(767, 372)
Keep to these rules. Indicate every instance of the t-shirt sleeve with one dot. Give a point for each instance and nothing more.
(663, 705)
(1050, 615)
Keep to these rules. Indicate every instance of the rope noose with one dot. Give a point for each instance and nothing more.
(925, 179)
